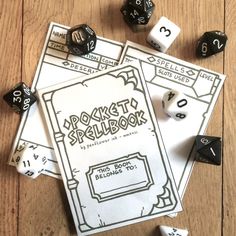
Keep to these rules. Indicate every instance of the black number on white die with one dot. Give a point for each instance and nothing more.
(170, 96)
(26, 163)
(156, 45)
(180, 115)
(17, 159)
(29, 173)
(182, 103)
(164, 29)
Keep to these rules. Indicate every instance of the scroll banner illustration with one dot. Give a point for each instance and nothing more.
(128, 175)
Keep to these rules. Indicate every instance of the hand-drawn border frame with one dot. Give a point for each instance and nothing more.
(71, 183)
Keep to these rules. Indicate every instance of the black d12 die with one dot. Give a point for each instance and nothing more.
(81, 39)
(20, 98)
(137, 12)
(210, 43)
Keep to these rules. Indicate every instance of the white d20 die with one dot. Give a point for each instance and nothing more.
(175, 104)
(163, 34)
(170, 231)
(29, 162)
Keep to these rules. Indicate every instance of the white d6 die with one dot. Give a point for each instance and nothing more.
(175, 104)
(163, 34)
(29, 162)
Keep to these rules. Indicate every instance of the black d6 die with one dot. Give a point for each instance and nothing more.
(210, 43)
(20, 98)
(137, 12)
(81, 39)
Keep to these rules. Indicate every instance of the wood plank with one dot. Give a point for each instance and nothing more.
(229, 162)
(202, 201)
(43, 207)
(10, 71)
(203, 198)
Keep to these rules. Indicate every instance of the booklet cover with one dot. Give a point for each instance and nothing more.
(109, 149)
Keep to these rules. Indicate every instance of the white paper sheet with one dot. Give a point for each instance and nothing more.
(109, 149)
(163, 72)
(56, 65)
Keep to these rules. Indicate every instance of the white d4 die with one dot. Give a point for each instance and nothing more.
(29, 162)
(163, 34)
(175, 104)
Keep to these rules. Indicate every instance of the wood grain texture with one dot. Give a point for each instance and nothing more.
(229, 162)
(10, 73)
(40, 207)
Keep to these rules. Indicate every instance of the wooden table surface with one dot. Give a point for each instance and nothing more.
(40, 207)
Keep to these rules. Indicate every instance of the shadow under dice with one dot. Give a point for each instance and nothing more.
(20, 98)
(175, 104)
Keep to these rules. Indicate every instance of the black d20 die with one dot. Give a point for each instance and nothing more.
(137, 12)
(210, 43)
(81, 39)
(20, 98)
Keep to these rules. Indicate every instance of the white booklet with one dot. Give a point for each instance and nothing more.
(57, 65)
(109, 149)
(202, 86)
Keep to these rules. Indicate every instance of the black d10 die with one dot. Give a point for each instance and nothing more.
(20, 98)
(81, 39)
(210, 43)
(137, 12)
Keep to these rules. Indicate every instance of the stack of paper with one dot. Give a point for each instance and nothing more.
(109, 143)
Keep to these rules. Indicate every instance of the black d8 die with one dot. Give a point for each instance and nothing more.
(208, 149)
(137, 12)
(210, 43)
(20, 98)
(81, 39)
